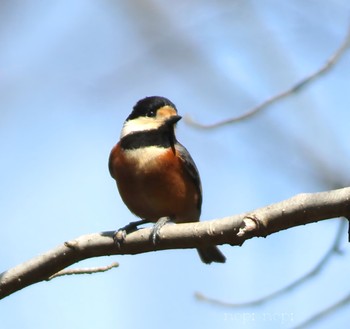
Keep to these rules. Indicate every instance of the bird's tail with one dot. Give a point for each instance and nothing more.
(211, 254)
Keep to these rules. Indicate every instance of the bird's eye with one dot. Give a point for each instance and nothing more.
(151, 113)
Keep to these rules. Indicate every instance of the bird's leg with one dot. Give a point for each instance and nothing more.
(132, 226)
(120, 234)
(157, 227)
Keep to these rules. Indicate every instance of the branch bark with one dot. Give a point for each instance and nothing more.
(234, 230)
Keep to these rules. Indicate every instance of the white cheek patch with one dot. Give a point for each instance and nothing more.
(145, 158)
(139, 124)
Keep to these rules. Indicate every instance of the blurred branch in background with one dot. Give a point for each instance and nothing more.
(324, 313)
(300, 85)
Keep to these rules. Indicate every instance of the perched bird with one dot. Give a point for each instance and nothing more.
(156, 176)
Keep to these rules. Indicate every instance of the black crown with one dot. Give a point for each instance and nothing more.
(148, 107)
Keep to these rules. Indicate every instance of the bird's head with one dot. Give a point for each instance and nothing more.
(151, 113)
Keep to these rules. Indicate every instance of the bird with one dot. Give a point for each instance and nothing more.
(156, 176)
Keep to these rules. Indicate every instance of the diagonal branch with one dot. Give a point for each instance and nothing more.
(319, 316)
(297, 87)
(234, 230)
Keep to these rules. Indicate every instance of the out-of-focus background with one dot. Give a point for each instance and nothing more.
(70, 72)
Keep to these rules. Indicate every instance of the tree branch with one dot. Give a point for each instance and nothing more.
(297, 87)
(234, 230)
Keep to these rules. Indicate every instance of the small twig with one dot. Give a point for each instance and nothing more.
(90, 270)
(324, 313)
(333, 250)
(331, 61)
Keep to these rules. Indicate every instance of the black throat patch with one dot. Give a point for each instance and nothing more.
(160, 137)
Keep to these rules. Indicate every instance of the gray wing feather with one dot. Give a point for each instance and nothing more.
(191, 169)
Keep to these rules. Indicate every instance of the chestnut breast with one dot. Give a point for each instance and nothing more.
(154, 183)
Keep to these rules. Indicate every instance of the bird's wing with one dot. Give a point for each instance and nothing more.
(191, 169)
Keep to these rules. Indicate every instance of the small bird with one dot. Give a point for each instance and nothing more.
(156, 176)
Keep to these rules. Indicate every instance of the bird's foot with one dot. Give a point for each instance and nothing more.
(120, 235)
(157, 227)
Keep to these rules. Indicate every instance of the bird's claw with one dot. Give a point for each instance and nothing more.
(120, 235)
(155, 233)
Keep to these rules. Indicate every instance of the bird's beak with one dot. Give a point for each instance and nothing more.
(173, 119)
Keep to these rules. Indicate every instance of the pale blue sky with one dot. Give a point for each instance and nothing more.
(70, 72)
